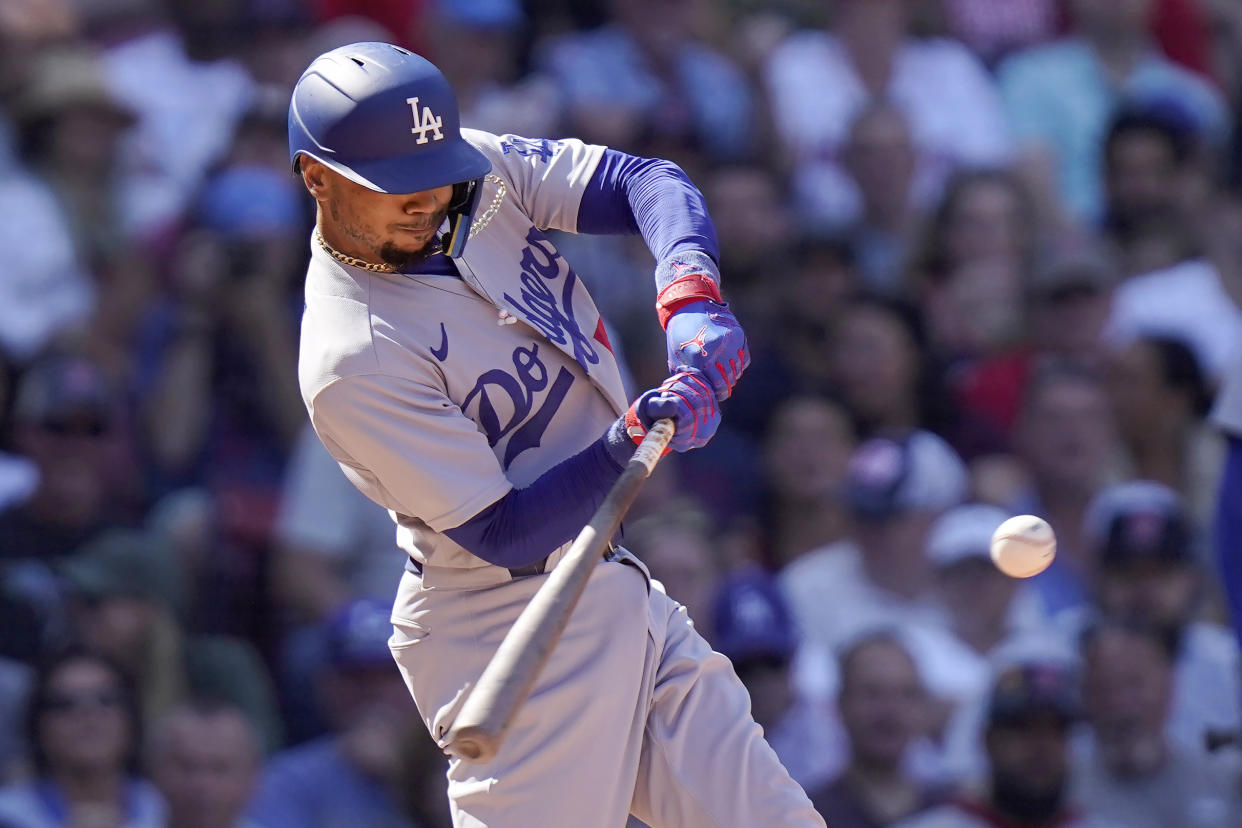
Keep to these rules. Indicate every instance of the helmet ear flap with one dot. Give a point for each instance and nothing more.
(460, 216)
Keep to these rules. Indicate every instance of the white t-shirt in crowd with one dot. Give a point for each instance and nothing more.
(951, 102)
(1186, 301)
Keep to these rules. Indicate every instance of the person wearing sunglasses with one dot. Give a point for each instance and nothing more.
(83, 735)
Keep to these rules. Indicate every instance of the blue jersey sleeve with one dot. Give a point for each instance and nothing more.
(651, 196)
(527, 524)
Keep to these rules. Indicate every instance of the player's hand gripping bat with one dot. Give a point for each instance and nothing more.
(507, 680)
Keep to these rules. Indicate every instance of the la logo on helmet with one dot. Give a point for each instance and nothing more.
(425, 121)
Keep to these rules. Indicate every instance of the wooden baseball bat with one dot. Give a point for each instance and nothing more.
(507, 680)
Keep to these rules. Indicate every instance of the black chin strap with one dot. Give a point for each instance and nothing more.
(461, 208)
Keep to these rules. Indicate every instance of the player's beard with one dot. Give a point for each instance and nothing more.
(403, 259)
(388, 252)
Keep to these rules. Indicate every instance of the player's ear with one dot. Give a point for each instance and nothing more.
(315, 177)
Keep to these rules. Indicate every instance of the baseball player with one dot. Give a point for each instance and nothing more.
(456, 368)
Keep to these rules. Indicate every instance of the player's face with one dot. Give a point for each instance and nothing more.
(398, 229)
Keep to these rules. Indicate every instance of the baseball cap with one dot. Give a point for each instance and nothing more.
(357, 635)
(1021, 691)
(752, 620)
(891, 475)
(68, 78)
(1139, 520)
(63, 386)
(1072, 262)
(126, 562)
(964, 532)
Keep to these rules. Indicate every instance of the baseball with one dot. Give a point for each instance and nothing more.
(1023, 546)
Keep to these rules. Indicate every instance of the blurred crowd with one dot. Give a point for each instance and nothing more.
(989, 257)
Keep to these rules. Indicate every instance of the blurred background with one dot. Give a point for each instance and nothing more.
(989, 257)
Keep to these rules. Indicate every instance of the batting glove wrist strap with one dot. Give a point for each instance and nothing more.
(683, 279)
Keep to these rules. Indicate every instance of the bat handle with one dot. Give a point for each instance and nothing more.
(510, 675)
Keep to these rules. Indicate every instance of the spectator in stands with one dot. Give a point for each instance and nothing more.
(69, 421)
(879, 157)
(128, 591)
(647, 81)
(806, 452)
(883, 706)
(969, 270)
(1030, 713)
(1225, 56)
(750, 207)
(173, 64)
(220, 383)
(1064, 301)
(1070, 298)
(820, 80)
(992, 619)
(1134, 774)
(753, 628)
(204, 758)
(994, 28)
(1153, 170)
(332, 543)
(892, 379)
(879, 362)
(676, 543)
(356, 775)
(1160, 217)
(985, 607)
(65, 232)
(1065, 436)
(985, 214)
(1150, 571)
(797, 324)
(895, 489)
(15, 681)
(1160, 400)
(477, 46)
(1186, 302)
(1060, 97)
(26, 28)
(83, 732)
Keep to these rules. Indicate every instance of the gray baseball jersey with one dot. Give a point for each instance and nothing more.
(435, 411)
(429, 402)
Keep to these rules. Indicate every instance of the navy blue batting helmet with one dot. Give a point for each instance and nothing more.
(384, 118)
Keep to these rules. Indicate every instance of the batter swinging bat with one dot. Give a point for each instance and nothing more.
(507, 680)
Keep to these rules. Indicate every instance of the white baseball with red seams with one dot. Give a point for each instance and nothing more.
(1023, 546)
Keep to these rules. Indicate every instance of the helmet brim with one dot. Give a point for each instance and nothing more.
(413, 173)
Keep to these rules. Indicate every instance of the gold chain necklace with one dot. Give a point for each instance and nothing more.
(350, 260)
(482, 221)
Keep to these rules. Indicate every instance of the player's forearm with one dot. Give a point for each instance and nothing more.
(628, 194)
(527, 524)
